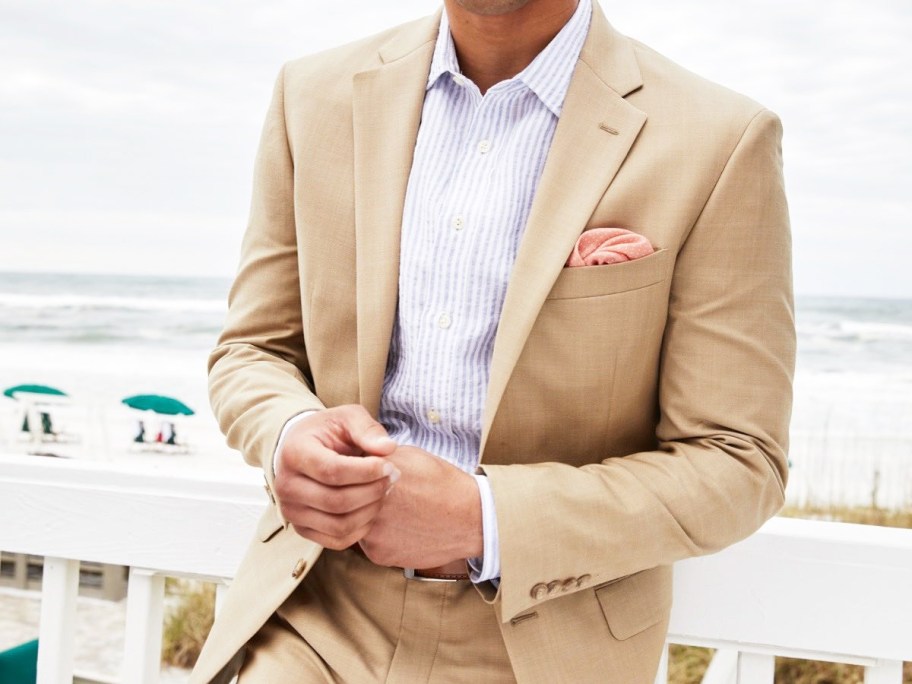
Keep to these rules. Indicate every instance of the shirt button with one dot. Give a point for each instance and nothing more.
(444, 321)
(458, 223)
(433, 417)
(484, 146)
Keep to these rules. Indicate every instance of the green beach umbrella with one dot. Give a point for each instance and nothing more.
(166, 406)
(11, 392)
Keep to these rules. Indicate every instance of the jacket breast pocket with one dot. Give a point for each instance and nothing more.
(636, 603)
(591, 360)
(597, 281)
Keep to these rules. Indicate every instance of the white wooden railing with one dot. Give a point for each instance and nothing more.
(798, 588)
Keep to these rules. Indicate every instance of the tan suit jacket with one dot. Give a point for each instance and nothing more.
(637, 413)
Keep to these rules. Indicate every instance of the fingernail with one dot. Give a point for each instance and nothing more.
(388, 469)
(393, 478)
(386, 440)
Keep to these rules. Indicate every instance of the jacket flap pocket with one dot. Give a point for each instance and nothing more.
(637, 602)
(269, 524)
(597, 281)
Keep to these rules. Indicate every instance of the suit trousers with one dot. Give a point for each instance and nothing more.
(355, 622)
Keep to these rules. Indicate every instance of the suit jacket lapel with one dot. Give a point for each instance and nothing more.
(386, 109)
(595, 132)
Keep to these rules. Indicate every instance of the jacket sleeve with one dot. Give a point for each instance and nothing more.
(258, 372)
(725, 391)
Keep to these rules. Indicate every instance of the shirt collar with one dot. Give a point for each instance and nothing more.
(548, 75)
(444, 60)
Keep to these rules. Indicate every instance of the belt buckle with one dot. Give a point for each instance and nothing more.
(410, 574)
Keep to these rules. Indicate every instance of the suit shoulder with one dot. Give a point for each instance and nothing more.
(331, 69)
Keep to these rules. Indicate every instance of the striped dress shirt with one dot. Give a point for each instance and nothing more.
(477, 162)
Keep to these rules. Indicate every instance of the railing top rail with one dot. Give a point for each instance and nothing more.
(178, 480)
(180, 522)
(796, 585)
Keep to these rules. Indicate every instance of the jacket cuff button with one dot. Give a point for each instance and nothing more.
(539, 591)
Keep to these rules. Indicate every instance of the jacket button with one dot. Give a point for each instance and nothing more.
(568, 584)
(539, 591)
(582, 579)
(299, 568)
(553, 585)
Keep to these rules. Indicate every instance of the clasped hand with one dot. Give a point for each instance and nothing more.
(341, 480)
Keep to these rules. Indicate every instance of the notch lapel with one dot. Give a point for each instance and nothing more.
(597, 127)
(386, 111)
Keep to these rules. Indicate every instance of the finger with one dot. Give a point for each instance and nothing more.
(340, 534)
(338, 526)
(318, 462)
(334, 500)
(326, 541)
(364, 432)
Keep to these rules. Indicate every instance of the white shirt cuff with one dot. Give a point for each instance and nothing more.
(288, 425)
(487, 567)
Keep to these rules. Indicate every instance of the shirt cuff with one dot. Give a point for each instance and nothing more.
(290, 423)
(487, 567)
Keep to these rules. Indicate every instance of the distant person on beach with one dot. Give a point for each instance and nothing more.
(140, 437)
(169, 434)
(512, 333)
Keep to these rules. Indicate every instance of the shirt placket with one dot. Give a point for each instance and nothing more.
(454, 317)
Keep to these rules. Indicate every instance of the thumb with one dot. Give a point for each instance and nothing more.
(366, 433)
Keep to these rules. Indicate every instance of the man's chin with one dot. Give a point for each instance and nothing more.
(492, 7)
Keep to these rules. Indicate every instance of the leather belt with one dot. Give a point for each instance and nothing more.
(455, 571)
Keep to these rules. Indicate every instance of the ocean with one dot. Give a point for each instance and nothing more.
(101, 338)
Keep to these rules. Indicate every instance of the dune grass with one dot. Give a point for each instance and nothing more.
(687, 665)
(187, 621)
(863, 516)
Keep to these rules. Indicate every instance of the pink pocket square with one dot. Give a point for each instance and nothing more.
(608, 246)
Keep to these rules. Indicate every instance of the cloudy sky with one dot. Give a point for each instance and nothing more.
(128, 127)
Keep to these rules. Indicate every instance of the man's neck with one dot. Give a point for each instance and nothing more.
(495, 47)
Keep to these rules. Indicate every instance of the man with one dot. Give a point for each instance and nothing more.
(428, 387)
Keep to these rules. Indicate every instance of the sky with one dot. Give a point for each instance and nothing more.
(128, 128)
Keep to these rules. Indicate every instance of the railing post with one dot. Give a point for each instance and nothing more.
(886, 672)
(143, 640)
(754, 668)
(221, 591)
(20, 570)
(56, 631)
(723, 668)
(662, 674)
